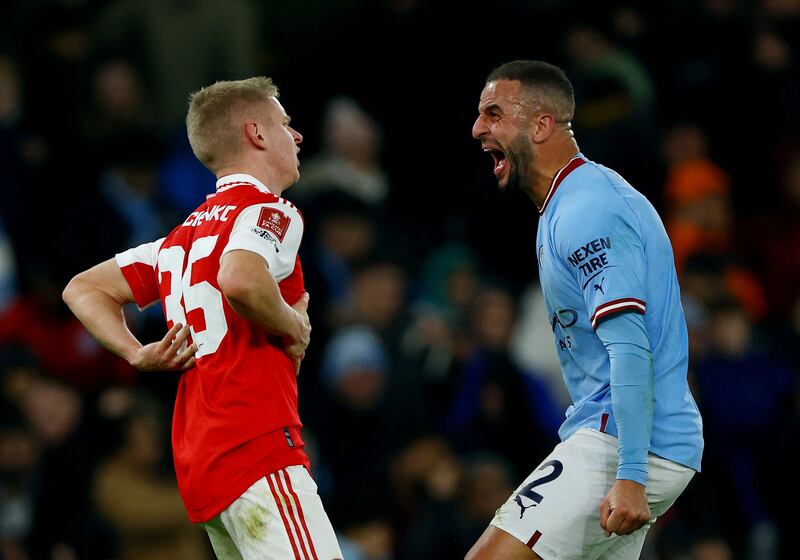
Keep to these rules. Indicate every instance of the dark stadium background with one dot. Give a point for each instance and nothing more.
(430, 389)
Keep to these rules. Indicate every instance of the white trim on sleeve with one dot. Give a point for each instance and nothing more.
(146, 253)
(625, 304)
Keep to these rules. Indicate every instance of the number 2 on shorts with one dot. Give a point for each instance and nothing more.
(528, 490)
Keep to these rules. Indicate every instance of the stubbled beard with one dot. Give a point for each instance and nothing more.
(520, 156)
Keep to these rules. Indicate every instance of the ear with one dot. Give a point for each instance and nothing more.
(254, 134)
(542, 127)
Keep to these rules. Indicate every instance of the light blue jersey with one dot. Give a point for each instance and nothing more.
(602, 249)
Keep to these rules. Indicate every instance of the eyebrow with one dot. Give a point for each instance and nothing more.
(490, 107)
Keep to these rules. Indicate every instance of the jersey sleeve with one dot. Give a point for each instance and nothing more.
(274, 231)
(632, 388)
(602, 248)
(138, 266)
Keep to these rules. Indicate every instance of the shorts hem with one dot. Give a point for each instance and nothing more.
(541, 550)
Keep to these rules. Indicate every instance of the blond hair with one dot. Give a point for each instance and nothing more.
(216, 113)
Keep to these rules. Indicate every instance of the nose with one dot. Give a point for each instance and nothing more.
(297, 136)
(479, 128)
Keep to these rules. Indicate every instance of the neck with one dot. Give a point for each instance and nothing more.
(547, 165)
(259, 173)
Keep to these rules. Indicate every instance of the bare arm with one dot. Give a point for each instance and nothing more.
(252, 291)
(97, 296)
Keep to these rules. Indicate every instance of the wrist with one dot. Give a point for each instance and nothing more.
(633, 472)
(130, 353)
(633, 484)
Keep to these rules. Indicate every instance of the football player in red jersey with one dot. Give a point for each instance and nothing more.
(231, 286)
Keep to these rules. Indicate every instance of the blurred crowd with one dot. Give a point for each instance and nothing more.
(432, 385)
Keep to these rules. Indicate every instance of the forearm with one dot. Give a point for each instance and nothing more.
(631, 365)
(253, 293)
(103, 317)
(632, 403)
(264, 306)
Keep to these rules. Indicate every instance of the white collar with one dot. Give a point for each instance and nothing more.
(229, 181)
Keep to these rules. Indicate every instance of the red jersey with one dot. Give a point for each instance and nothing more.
(236, 416)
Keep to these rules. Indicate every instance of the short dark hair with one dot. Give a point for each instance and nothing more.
(543, 77)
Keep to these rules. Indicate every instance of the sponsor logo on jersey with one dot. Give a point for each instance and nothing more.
(564, 318)
(599, 287)
(275, 221)
(591, 258)
(268, 236)
(217, 212)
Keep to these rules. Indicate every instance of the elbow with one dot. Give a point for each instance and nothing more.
(232, 285)
(73, 291)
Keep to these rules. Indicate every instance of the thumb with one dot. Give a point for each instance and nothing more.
(302, 303)
(605, 512)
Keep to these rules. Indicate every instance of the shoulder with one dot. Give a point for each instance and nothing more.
(589, 210)
(599, 203)
(269, 200)
(275, 212)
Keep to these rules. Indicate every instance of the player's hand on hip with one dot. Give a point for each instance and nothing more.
(297, 349)
(624, 509)
(301, 306)
(166, 354)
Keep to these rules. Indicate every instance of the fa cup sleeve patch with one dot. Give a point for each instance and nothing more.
(275, 221)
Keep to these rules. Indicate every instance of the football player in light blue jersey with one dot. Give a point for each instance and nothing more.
(632, 438)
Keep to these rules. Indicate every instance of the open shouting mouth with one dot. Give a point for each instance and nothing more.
(501, 164)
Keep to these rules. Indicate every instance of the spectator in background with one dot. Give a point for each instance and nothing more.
(162, 36)
(701, 282)
(129, 189)
(58, 52)
(63, 517)
(532, 347)
(773, 64)
(349, 160)
(378, 298)
(344, 233)
(364, 421)
(699, 216)
(496, 405)
(425, 469)
(18, 372)
(436, 342)
(140, 503)
(449, 282)
(615, 99)
(19, 455)
(8, 270)
(38, 322)
(461, 499)
(22, 155)
(118, 103)
(771, 240)
(697, 195)
(746, 396)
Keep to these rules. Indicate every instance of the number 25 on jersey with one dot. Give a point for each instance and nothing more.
(185, 297)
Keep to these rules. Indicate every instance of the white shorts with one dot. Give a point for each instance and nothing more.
(278, 517)
(556, 510)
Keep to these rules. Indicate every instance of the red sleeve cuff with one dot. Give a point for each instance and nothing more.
(141, 279)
